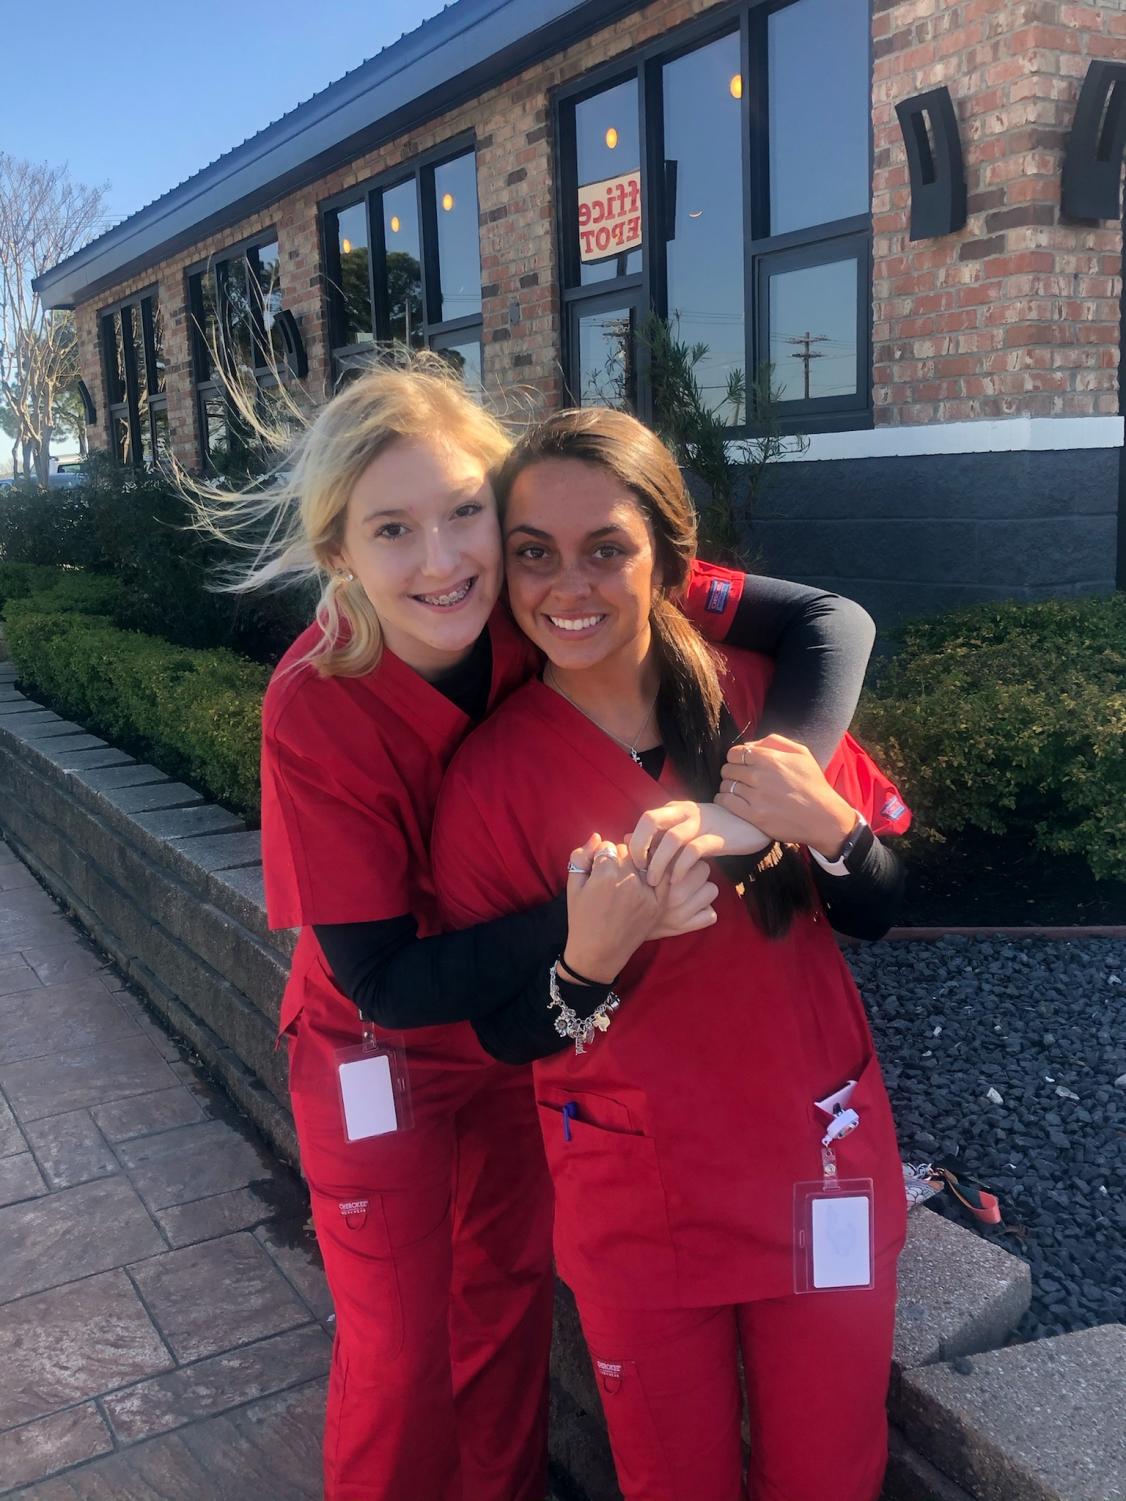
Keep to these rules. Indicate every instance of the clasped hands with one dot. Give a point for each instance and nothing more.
(657, 883)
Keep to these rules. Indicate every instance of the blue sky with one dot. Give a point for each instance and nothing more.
(140, 94)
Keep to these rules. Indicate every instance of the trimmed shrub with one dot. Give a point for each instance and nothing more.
(18, 580)
(134, 527)
(56, 591)
(1012, 718)
(195, 714)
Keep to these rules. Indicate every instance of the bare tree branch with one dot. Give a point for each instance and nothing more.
(44, 217)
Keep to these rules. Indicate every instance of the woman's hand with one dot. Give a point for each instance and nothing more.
(686, 905)
(611, 910)
(777, 785)
(669, 841)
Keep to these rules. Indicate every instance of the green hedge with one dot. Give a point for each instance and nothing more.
(1012, 718)
(195, 714)
(18, 580)
(135, 528)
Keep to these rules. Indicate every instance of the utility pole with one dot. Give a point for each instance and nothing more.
(807, 353)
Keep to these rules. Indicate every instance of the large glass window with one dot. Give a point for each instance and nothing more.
(459, 240)
(403, 250)
(404, 265)
(133, 357)
(346, 231)
(819, 113)
(608, 179)
(234, 303)
(704, 244)
(740, 214)
(812, 320)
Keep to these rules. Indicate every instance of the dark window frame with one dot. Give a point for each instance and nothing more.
(267, 365)
(129, 410)
(749, 19)
(436, 331)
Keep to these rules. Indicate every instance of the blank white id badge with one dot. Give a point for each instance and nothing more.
(833, 1235)
(374, 1091)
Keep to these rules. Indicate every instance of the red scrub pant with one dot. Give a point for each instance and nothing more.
(437, 1248)
(817, 1367)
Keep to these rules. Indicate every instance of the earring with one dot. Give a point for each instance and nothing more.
(345, 576)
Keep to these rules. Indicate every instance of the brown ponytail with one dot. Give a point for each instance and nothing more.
(695, 723)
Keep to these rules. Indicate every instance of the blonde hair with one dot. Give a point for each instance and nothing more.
(293, 522)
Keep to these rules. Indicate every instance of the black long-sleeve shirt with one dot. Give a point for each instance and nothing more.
(821, 645)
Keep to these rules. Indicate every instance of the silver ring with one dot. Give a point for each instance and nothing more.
(732, 792)
(605, 853)
(577, 870)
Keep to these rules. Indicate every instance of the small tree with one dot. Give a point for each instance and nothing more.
(44, 217)
(729, 469)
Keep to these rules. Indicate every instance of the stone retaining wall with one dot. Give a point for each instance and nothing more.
(171, 888)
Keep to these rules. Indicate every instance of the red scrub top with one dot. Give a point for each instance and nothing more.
(693, 1117)
(351, 768)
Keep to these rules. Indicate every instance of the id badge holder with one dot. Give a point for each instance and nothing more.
(834, 1229)
(372, 1079)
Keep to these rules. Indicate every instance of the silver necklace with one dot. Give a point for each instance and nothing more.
(631, 745)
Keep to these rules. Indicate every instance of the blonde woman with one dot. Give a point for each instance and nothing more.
(432, 1206)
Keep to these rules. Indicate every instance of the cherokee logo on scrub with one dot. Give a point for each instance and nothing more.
(719, 591)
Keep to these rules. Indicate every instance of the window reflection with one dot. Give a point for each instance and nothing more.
(703, 179)
(608, 148)
(207, 324)
(606, 371)
(216, 432)
(466, 360)
(404, 264)
(354, 288)
(162, 445)
(459, 243)
(265, 286)
(237, 294)
(123, 440)
(159, 375)
(114, 345)
(813, 318)
(819, 113)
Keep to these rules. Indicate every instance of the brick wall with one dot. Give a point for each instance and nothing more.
(1018, 314)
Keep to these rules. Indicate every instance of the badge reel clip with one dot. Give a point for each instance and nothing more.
(375, 1097)
(833, 1220)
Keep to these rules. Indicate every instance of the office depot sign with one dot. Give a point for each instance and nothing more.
(610, 217)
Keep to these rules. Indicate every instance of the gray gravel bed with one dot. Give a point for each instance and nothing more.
(1043, 1024)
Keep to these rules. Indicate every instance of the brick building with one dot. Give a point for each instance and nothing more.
(520, 183)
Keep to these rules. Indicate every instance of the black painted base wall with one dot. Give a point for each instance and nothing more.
(917, 536)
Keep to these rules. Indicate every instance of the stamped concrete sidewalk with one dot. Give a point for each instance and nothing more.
(165, 1327)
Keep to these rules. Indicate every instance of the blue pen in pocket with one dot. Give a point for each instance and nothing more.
(570, 1111)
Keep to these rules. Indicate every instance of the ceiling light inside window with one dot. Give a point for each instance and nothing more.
(396, 224)
(736, 85)
(447, 201)
(611, 137)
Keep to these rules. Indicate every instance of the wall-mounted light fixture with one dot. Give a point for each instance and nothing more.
(934, 161)
(1092, 163)
(296, 359)
(88, 407)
